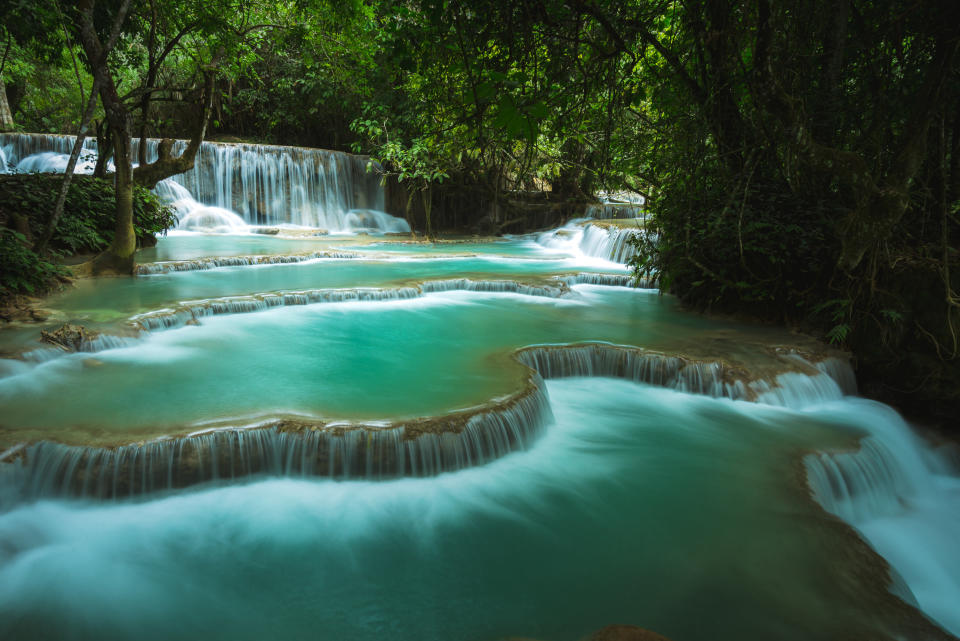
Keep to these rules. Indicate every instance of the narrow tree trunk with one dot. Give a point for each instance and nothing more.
(409, 212)
(875, 217)
(104, 150)
(51, 226)
(427, 207)
(6, 117)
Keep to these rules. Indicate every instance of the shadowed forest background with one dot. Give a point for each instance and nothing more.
(800, 161)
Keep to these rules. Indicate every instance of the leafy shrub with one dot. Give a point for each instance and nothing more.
(87, 224)
(21, 270)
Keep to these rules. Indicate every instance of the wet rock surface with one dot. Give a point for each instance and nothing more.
(70, 338)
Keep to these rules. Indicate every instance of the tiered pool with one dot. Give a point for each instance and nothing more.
(543, 450)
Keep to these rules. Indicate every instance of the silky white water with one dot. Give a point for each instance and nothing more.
(637, 504)
(588, 241)
(904, 497)
(598, 501)
(233, 186)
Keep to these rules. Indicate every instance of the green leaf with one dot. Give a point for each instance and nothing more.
(485, 91)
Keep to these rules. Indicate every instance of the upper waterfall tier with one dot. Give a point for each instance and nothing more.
(267, 185)
(258, 184)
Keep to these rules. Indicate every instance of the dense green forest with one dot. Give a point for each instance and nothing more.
(800, 160)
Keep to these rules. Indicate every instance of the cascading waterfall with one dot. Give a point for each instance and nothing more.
(423, 447)
(904, 498)
(271, 185)
(235, 185)
(195, 216)
(580, 238)
(18, 148)
(607, 211)
(901, 494)
(163, 267)
(708, 378)
(607, 280)
(611, 243)
(192, 311)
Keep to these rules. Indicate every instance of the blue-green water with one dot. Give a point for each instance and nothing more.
(684, 514)
(112, 299)
(367, 360)
(638, 505)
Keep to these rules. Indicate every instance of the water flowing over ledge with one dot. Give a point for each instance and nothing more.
(579, 237)
(190, 312)
(609, 280)
(420, 447)
(827, 379)
(164, 267)
(233, 185)
(286, 447)
(902, 496)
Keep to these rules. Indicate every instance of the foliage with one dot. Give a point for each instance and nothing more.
(87, 225)
(22, 271)
(505, 95)
(805, 159)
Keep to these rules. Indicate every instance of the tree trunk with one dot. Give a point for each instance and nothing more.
(119, 257)
(6, 117)
(104, 149)
(166, 164)
(408, 212)
(425, 194)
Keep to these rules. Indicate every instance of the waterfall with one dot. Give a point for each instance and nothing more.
(199, 264)
(611, 243)
(581, 238)
(608, 211)
(270, 185)
(424, 447)
(421, 447)
(903, 496)
(608, 280)
(710, 378)
(17, 148)
(235, 185)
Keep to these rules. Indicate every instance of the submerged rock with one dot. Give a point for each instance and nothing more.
(22, 309)
(68, 337)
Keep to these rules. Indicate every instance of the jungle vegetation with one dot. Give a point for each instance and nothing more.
(800, 160)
